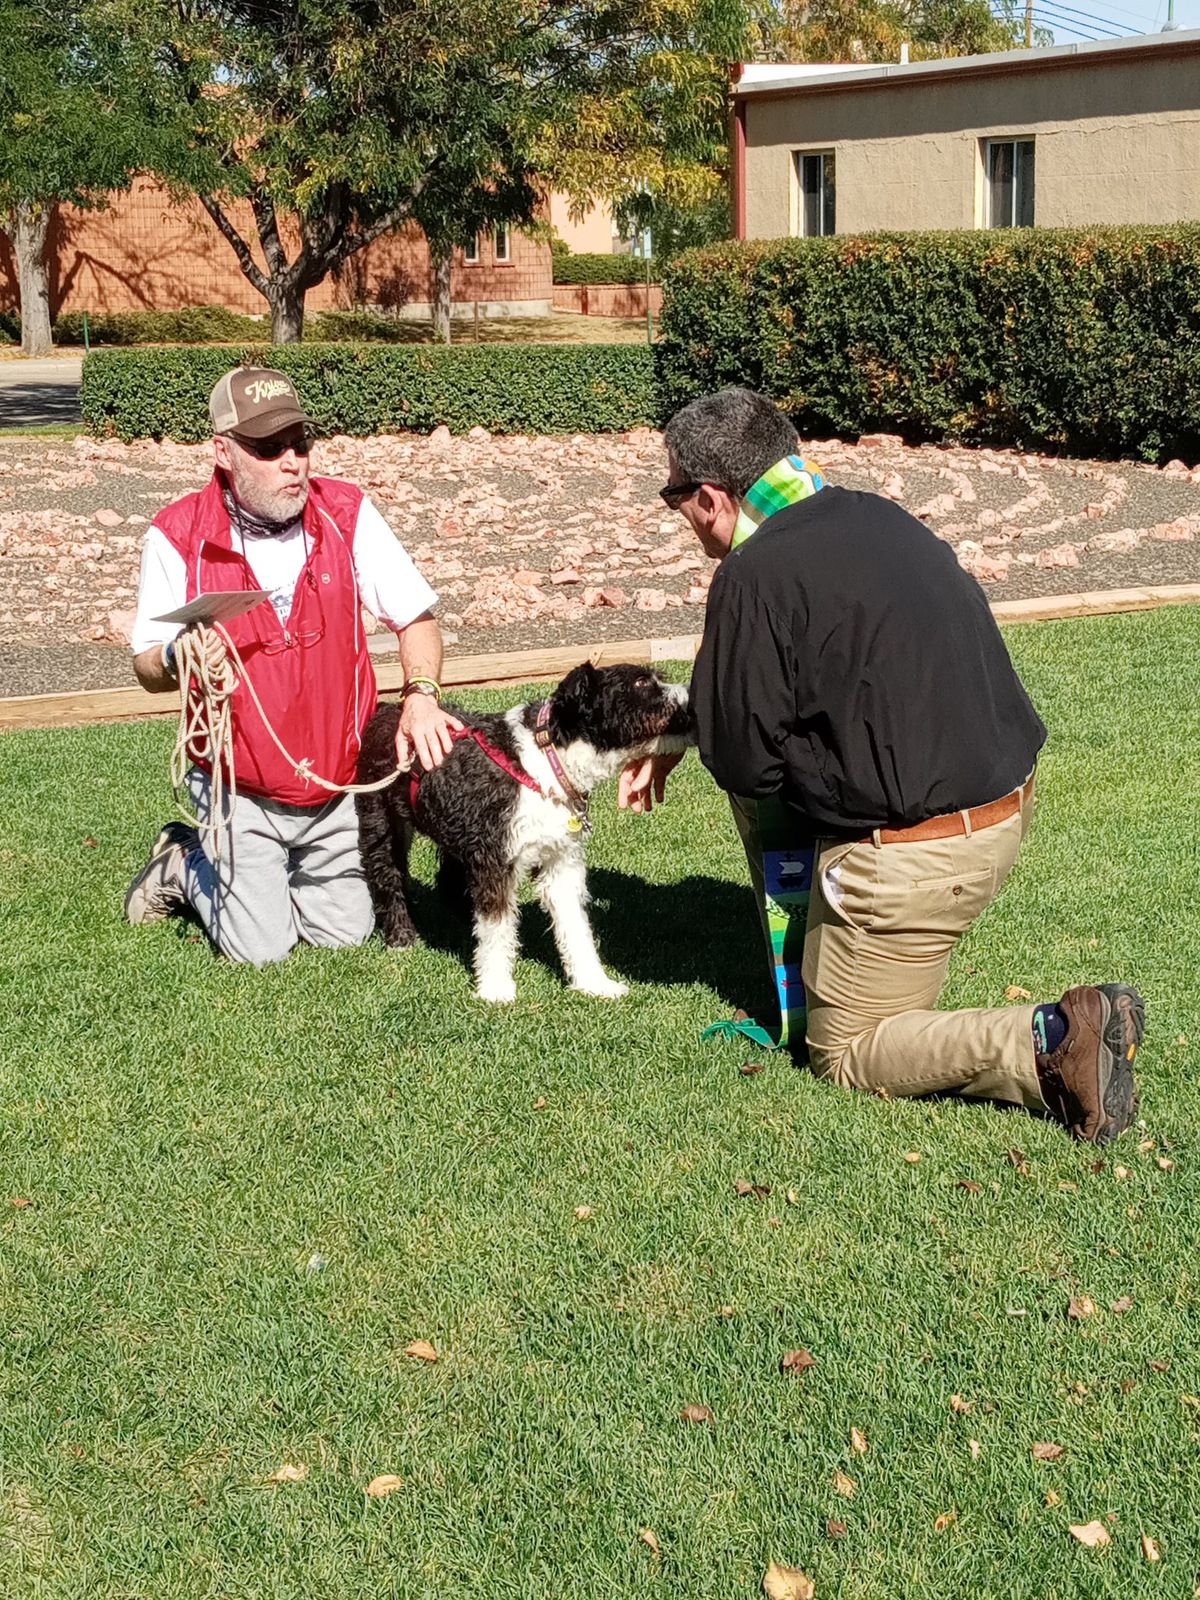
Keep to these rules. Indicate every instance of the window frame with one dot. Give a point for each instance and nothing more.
(471, 257)
(1022, 206)
(825, 193)
(502, 259)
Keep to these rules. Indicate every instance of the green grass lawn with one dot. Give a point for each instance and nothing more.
(244, 1193)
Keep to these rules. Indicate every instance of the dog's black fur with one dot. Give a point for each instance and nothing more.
(498, 830)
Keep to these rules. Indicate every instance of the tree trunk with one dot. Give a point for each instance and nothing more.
(441, 259)
(287, 313)
(29, 228)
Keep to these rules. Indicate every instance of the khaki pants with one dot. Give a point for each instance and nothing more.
(882, 921)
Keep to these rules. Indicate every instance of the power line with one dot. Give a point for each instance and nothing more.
(1090, 17)
(1081, 24)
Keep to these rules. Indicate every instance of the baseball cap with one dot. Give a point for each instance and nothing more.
(254, 403)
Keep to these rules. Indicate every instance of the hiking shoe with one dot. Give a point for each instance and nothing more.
(1088, 1081)
(157, 891)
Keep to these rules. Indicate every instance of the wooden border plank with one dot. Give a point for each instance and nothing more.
(497, 669)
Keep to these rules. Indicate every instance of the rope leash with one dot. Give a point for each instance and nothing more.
(210, 669)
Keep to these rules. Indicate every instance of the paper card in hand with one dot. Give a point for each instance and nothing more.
(218, 607)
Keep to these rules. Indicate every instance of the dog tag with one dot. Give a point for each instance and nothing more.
(574, 825)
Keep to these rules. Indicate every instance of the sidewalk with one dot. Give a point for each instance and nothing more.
(34, 393)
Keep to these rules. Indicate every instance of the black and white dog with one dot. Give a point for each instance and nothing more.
(510, 800)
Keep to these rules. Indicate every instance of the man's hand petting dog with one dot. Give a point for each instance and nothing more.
(642, 783)
(426, 731)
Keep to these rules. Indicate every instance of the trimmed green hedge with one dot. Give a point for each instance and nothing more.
(365, 389)
(1081, 340)
(213, 325)
(586, 268)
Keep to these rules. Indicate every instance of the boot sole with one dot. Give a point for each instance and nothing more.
(1124, 1025)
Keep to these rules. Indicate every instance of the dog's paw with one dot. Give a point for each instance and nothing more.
(602, 988)
(496, 993)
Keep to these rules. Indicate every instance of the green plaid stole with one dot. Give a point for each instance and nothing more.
(787, 859)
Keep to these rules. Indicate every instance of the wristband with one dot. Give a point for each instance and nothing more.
(422, 686)
(168, 659)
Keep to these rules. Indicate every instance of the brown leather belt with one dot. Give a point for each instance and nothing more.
(955, 823)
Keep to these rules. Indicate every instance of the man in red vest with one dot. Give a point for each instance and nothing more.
(287, 869)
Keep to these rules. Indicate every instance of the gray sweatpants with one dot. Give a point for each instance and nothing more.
(285, 874)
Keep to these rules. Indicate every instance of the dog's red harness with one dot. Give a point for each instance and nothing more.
(497, 757)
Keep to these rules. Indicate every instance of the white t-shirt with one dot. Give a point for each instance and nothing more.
(389, 585)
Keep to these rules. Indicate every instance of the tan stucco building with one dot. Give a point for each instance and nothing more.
(1060, 137)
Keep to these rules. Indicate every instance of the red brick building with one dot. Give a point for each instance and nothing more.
(146, 253)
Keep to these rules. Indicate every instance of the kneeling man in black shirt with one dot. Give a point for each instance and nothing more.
(855, 699)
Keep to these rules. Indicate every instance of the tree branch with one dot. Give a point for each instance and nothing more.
(240, 248)
(268, 232)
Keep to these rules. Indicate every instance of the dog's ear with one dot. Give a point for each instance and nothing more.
(569, 705)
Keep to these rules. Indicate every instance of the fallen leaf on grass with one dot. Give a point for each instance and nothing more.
(1160, 1366)
(1120, 1172)
(1018, 1159)
(741, 1187)
(89, 843)
(20, 1201)
(1015, 992)
(1145, 1145)
(835, 1529)
(1092, 1534)
(797, 1361)
(386, 1483)
(648, 1539)
(1164, 1163)
(787, 1583)
(1053, 1499)
(912, 1156)
(1046, 1450)
(1081, 1305)
(287, 1473)
(858, 1442)
(694, 1413)
(540, 1103)
(975, 1448)
(726, 1311)
(749, 1068)
(793, 1199)
(961, 1406)
(1150, 1548)
(421, 1350)
(582, 1213)
(1125, 1303)
(844, 1485)
(940, 1524)
(969, 1185)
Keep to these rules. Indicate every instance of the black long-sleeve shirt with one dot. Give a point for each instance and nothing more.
(850, 665)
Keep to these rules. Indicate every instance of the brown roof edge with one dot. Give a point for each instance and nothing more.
(1033, 61)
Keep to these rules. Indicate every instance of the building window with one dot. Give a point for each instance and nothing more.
(815, 183)
(471, 251)
(1008, 183)
(501, 244)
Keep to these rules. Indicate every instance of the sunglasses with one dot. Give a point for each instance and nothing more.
(272, 449)
(674, 494)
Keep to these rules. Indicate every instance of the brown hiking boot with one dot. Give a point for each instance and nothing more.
(157, 891)
(1087, 1083)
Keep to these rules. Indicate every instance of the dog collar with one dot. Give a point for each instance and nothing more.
(579, 821)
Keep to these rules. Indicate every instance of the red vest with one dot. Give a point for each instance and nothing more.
(312, 674)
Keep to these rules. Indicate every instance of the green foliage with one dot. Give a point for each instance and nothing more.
(249, 1189)
(1082, 340)
(78, 105)
(874, 30)
(357, 389)
(191, 325)
(348, 122)
(10, 327)
(598, 268)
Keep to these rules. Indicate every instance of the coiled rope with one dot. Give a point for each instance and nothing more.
(209, 670)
